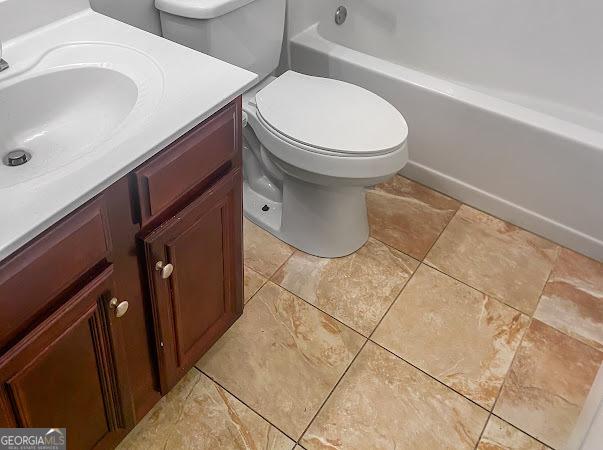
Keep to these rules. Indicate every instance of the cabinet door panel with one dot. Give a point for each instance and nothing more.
(63, 374)
(203, 296)
(43, 403)
(203, 283)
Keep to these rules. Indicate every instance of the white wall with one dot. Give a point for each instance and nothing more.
(139, 13)
(300, 15)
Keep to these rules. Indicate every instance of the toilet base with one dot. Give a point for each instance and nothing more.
(325, 221)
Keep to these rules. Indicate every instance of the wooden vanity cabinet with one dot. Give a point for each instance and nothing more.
(193, 253)
(167, 239)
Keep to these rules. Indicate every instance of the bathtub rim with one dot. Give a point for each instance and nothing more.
(311, 38)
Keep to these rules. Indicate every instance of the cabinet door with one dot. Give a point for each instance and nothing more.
(197, 302)
(64, 373)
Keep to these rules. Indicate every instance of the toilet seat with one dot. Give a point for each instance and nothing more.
(323, 167)
(330, 117)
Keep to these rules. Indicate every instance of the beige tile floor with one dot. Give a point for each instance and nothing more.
(449, 329)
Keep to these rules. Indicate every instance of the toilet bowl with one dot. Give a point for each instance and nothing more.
(311, 145)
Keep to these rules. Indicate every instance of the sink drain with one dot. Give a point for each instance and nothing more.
(16, 158)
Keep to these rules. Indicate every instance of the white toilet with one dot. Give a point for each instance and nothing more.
(311, 145)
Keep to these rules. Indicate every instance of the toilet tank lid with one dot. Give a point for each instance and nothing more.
(199, 9)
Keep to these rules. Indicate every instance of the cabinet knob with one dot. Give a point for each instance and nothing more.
(165, 269)
(120, 307)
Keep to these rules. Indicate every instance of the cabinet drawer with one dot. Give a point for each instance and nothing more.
(183, 165)
(33, 278)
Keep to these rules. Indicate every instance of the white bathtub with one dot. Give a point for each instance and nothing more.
(504, 114)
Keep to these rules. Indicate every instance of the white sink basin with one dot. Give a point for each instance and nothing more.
(71, 103)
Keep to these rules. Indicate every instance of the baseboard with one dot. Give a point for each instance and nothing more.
(505, 210)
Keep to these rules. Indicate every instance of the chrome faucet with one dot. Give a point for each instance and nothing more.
(3, 64)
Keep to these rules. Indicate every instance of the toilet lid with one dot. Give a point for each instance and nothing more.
(331, 115)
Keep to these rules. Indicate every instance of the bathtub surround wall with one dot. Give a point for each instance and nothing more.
(503, 101)
(139, 13)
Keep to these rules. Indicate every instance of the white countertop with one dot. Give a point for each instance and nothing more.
(194, 86)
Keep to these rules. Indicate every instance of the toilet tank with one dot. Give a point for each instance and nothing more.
(246, 33)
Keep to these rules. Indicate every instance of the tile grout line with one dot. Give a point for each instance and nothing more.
(490, 413)
(427, 264)
(507, 374)
(431, 265)
(332, 390)
(295, 250)
(479, 439)
(430, 188)
(439, 234)
(523, 431)
(394, 302)
(532, 318)
(428, 375)
(258, 290)
(340, 321)
(548, 278)
(254, 294)
(318, 309)
(529, 316)
(267, 279)
(394, 248)
(443, 230)
(421, 259)
(240, 400)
